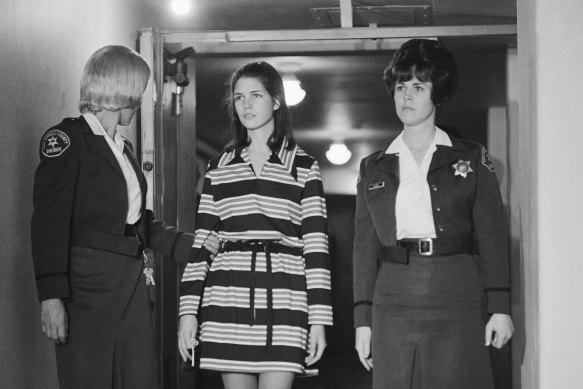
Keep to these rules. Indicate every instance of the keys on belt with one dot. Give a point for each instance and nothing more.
(132, 230)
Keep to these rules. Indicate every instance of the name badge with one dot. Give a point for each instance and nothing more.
(376, 185)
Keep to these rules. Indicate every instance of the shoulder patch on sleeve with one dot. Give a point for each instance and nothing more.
(486, 161)
(54, 143)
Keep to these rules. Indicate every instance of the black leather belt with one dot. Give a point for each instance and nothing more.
(428, 247)
(434, 247)
(250, 245)
(132, 230)
(268, 247)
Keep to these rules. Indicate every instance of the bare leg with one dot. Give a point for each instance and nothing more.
(276, 380)
(239, 380)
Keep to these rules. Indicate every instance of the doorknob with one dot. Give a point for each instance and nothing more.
(148, 166)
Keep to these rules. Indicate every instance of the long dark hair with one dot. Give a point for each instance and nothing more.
(428, 61)
(273, 84)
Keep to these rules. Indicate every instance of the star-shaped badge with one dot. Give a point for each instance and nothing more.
(53, 141)
(462, 168)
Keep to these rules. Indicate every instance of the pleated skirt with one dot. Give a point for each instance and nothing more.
(428, 325)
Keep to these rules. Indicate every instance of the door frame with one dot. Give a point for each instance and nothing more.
(151, 130)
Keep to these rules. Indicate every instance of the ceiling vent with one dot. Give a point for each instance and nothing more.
(377, 16)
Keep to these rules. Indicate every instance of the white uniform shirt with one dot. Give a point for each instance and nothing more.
(133, 185)
(413, 209)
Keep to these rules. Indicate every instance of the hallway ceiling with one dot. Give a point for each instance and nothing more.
(309, 14)
(346, 99)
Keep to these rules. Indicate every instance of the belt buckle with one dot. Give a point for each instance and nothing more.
(425, 242)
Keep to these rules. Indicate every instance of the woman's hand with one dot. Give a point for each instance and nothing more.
(54, 320)
(362, 346)
(499, 330)
(187, 327)
(212, 243)
(317, 344)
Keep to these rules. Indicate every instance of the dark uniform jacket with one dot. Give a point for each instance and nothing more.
(462, 204)
(80, 199)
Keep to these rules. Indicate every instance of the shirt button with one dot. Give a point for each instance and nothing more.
(438, 209)
(434, 187)
(440, 228)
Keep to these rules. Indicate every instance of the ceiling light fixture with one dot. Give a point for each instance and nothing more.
(338, 153)
(294, 94)
(181, 7)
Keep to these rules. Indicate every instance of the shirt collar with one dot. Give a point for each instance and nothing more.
(98, 129)
(282, 157)
(441, 138)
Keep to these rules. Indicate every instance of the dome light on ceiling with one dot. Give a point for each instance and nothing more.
(338, 153)
(294, 94)
(181, 7)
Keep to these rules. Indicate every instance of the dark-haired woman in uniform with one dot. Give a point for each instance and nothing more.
(90, 227)
(431, 270)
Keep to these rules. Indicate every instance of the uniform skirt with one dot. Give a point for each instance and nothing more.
(254, 313)
(428, 325)
(111, 335)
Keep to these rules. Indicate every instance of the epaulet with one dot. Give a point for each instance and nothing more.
(69, 120)
(481, 151)
(470, 144)
(374, 156)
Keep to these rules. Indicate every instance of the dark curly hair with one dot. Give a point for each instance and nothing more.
(273, 84)
(428, 61)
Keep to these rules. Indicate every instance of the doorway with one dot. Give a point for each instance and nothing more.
(200, 127)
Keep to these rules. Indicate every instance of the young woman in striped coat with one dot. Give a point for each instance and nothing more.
(263, 301)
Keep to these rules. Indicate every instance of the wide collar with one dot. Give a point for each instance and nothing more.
(448, 149)
(283, 157)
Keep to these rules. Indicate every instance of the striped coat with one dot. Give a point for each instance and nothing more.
(255, 310)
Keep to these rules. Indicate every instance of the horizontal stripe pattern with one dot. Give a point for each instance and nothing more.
(284, 203)
(320, 314)
(252, 203)
(239, 298)
(318, 279)
(283, 335)
(314, 207)
(239, 261)
(316, 242)
(249, 367)
(189, 305)
(195, 271)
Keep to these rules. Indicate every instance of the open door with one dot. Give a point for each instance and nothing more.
(167, 149)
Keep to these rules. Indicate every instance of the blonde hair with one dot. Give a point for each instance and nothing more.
(114, 78)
